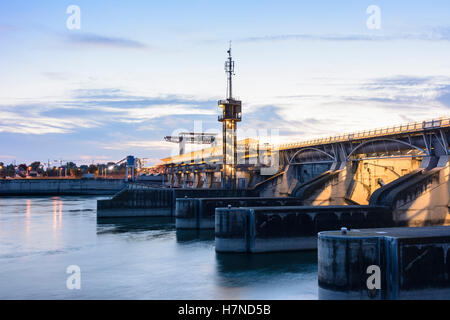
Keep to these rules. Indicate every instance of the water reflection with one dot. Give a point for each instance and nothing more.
(57, 213)
(290, 275)
(27, 216)
(124, 225)
(194, 235)
(229, 263)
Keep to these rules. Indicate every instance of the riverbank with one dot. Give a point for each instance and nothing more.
(57, 187)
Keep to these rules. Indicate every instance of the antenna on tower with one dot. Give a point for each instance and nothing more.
(229, 69)
(230, 115)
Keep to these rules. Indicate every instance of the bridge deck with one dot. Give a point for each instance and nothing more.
(250, 144)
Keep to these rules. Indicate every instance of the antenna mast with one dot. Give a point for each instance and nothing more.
(229, 69)
(230, 115)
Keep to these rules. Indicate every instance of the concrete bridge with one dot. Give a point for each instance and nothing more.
(404, 167)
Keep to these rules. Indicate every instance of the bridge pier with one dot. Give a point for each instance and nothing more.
(421, 197)
(143, 201)
(208, 179)
(390, 263)
(288, 228)
(199, 213)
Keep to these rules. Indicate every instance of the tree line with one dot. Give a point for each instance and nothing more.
(69, 169)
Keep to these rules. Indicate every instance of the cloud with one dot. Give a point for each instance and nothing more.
(444, 96)
(116, 98)
(281, 117)
(141, 144)
(354, 106)
(92, 39)
(401, 81)
(114, 122)
(433, 34)
(27, 119)
(408, 92)
(100, 108)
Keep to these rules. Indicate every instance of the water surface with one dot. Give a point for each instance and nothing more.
(143, 258)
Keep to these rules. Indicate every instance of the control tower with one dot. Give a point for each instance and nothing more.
(229, 114)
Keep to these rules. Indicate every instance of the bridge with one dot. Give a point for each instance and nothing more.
(405, 166)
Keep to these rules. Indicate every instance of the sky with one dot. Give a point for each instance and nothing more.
(136, 71)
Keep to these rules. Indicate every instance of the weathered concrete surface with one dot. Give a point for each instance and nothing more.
(21, 187)
(353, 182)
(419, 198)
(199, 213)
(414, 263)
(142, 201)
(269, 229)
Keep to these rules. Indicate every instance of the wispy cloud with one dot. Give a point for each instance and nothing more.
(97, 108)
(432, 34)
(408, 91)
(27, 119)
(141, 144)
(92, 39)
(356, 106)
(444, 96)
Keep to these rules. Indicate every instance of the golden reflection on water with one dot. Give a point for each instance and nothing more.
(28, 217)
(57, 213)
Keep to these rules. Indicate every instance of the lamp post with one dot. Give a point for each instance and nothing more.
(111, 168)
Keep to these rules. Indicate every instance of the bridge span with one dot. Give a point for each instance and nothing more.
(405, 167)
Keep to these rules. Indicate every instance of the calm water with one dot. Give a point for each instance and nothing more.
(142, 258)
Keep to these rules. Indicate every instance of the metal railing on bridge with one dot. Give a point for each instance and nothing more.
(404, 128)
(216, 152)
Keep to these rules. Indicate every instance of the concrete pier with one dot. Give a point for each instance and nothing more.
(56, 187)
(143, 201)
(390, 263)
(199, 213)
(270, 229)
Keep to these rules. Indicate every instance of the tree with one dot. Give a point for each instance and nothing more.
(93, 168)
(75, 172)
(35, 165)
(10, 170)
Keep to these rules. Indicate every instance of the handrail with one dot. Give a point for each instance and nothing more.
(404, 128)
(372, 133)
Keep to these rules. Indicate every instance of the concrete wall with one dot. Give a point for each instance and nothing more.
(141, 201)
(355, 182)
(371, 175)
(20, 187)
(427, 199)
(419, 197)
(289, 228)
(414, 263)
(192, 213)
(348, 183)
(137, 202)
(306, 172)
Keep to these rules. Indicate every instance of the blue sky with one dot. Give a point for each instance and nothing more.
(139, 70)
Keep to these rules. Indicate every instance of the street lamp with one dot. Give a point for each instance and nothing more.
(110, 168)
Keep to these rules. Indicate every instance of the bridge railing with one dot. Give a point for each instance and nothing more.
(216, 151)
(373, 133)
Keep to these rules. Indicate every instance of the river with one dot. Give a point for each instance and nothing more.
(142, 258)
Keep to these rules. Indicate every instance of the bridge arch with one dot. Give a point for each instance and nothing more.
(365, 143)
(328, 155)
